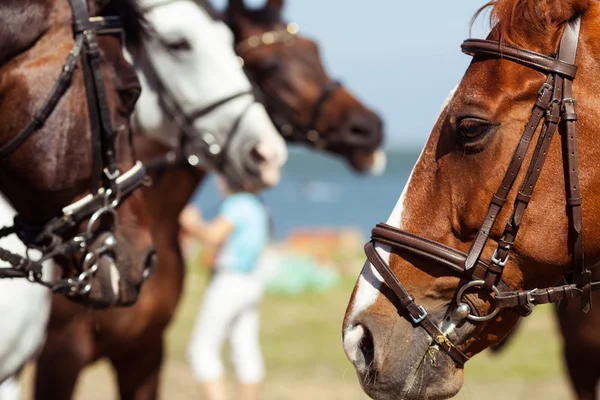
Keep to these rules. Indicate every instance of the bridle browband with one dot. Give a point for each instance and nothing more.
(109, 186)
(196, 147)
(282, 116)
(555, 103)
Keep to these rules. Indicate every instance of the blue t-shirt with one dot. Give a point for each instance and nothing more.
(250, 234)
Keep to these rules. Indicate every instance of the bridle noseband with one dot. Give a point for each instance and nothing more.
(282, 116)
(555, 103)
(109, 186)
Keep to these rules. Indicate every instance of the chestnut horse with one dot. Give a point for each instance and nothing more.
(133, 338)
(440, 287)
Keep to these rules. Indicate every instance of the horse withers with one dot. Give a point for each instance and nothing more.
(447, 275)
(305, 103)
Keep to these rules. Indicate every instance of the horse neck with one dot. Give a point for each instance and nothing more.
(164, 200)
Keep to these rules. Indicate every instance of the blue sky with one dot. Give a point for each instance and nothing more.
(400, 57)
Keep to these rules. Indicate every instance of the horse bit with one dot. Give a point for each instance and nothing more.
(281, 116)
(555, 103)
(109, 186)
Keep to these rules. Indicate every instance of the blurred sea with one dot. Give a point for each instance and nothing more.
(320, 191)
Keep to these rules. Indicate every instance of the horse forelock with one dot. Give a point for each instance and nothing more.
(519, 21)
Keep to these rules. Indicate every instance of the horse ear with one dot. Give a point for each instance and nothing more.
(236, 13)
(274, 5)
(236, 6)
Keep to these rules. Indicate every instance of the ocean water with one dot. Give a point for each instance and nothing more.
(320, 191)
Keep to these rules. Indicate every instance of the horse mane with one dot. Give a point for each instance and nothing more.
(516, 21)
(132, 16)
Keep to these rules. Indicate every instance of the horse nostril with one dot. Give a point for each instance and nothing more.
(365, 124)
(366, 349)
(360, 347)
(257, 156)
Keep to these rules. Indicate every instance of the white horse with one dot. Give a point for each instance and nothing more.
(188, 68)
(189, 58)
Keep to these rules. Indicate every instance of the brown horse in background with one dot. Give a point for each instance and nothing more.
(390, 328)
(306, 104)
(133, 339)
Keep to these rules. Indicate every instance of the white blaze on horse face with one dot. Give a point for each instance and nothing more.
(194, 59)
(370, 280)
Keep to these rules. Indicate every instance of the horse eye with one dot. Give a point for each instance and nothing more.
(471, 129)
(180, 44)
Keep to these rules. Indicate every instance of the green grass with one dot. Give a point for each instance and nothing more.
(301, 334)
(302, 345)
(534, 354)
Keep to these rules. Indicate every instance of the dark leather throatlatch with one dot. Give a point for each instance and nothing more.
(555, 104)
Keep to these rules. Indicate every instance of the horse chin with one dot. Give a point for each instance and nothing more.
(429, 380)
(369, 163)
(394, 360)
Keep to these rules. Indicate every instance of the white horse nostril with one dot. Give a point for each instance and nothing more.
(352, 339)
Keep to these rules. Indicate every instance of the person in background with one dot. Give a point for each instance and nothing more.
(230, 309)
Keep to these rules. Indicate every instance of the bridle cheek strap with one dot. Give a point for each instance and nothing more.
(553, 105)
(418, 315)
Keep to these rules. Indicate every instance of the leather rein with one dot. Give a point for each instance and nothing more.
(282, 116)
(555, 103)
(109, 185)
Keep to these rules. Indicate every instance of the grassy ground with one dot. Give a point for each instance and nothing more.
(301, 340)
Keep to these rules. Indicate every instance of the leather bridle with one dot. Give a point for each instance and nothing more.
(196, 147)
(555, 103)
(282, 116)
(109, 186)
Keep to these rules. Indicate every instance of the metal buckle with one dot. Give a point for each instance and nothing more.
(529, 296)
(421, 317)
(542, 90)
(553, 103)
(499, 262)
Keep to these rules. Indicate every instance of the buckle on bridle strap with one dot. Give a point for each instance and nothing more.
(498, 261)
(423, 314)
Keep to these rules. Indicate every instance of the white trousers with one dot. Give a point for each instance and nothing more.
(230, 310)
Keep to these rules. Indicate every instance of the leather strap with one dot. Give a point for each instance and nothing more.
(499, 198)
(403, 241)
(528, 58)
(417, 313)
(556, 92)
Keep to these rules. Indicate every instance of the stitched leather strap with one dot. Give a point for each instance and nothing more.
(417, 313)
(525, 57)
